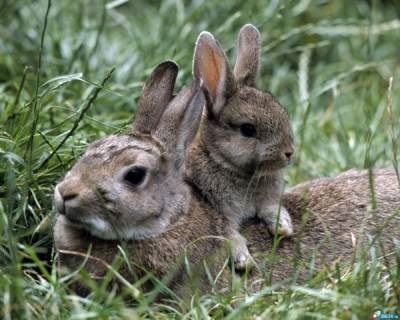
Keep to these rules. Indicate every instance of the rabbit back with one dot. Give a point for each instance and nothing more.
(333, 218)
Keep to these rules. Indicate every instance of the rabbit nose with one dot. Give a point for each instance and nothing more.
(288, 155)
(59, 201)
(63, 194)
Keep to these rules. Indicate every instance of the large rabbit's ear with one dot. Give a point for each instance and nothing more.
(179, 123)
(248, 56)
(211, 67)
(156, 94)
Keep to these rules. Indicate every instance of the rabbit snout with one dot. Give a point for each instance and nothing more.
(73, 199)
(66, 194)
(287, 154)
(58, 201)
(79, 205)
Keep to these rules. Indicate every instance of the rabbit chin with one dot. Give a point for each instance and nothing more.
(100, 228)
(265, 168)
(270, 166)
(96, 226)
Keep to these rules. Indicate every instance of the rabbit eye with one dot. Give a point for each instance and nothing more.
(248, 130)
(135, 176)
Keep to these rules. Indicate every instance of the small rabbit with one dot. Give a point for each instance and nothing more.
(244, 141)
(128, 189)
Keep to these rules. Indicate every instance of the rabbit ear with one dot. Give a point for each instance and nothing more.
(211, 67)
(179, 123)
(248, 56)
(189, 126)
(156, 94)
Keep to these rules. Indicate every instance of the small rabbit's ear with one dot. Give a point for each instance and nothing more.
(211, 68)
(248, 56)
(156, 94)
(179, 123)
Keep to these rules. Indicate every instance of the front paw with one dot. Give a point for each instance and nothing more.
(240, 253)
(242, 259)
(284, 227)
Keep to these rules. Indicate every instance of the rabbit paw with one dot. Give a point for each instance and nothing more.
(243, 260)
(240, 254)
(285, 226)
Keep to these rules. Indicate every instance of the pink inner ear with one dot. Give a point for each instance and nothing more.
(211, 68)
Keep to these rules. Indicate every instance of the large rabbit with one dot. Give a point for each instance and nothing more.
(244, 141)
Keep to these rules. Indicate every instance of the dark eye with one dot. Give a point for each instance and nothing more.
(135, 175)
(248, 130)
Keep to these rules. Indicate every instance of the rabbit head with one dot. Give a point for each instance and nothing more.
(126, 187)
(245, 128)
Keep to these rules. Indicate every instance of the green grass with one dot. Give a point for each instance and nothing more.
(73, 75)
